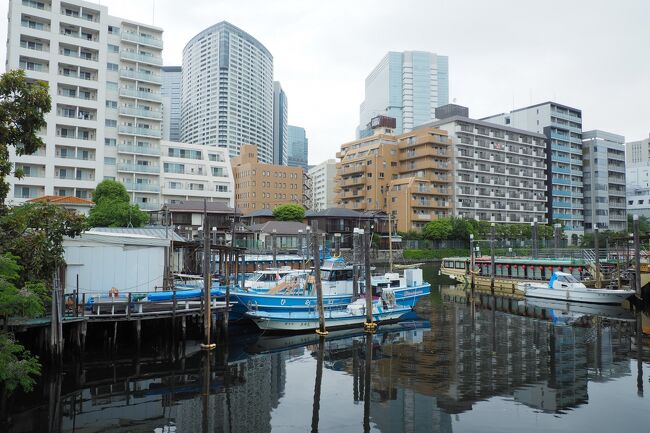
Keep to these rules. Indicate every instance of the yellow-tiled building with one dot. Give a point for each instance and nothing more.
(407, 175)
(264, 186)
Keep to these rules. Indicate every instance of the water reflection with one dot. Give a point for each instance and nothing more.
(417, 376)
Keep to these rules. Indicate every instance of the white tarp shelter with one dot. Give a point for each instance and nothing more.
(101, 260)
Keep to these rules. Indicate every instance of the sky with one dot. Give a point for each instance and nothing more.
(503, 54)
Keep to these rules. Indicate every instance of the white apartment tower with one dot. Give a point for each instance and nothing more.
(104, 78)
(227, 91)
(322, 178)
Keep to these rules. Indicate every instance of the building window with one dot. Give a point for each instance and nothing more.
(111, 66)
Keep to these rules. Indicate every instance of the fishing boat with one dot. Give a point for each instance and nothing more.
(510, 271)
(565, 287)
(297, 293)
(384, 309)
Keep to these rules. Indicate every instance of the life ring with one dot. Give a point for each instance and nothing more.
(113, 293)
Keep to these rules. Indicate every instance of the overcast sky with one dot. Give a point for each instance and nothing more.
(503, 54)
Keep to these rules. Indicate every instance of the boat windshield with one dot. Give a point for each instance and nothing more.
(567, 279)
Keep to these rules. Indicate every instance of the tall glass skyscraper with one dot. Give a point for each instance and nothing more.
(280, 109)
(171, 94)
(408, 86)
(227, 91)
(297, 148)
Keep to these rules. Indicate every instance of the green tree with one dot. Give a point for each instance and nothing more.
(437, 230)
(34, 233)
(462, 228)
(23, 106)
(644, 224)
(113, 208)
(17, 366)
(289, 212)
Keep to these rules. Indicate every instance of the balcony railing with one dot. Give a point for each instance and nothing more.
(140, 112)
(147, 40)
(138, 168)
(146, 132)
(146, 187)
(141, 58)
(144, 150)
(139, 75)
(151, 96)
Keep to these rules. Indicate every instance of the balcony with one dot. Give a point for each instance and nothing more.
(139, 39)
(132, 93)
(148, 205)
(141, 76)
(141, 150)
(144, 132)
(145, 187)
(138, 168)
(140, 112)
(144, 58)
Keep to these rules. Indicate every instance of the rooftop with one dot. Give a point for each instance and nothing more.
(438, 123)
(197, 206)
(63, 200)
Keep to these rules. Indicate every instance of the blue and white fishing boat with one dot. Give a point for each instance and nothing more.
(263, 280)
(297, 292)
(384, 309)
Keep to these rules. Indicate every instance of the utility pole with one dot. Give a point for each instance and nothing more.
(369, 326)
(597, 259)
(207, 280)
(319, 287)
(534, 230)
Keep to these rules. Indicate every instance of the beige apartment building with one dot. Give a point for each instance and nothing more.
(265, 186)
(406, 175)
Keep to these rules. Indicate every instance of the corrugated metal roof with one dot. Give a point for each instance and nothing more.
(157, 232)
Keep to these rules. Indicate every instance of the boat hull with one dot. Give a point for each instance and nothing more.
(298, 322)
(591, 296)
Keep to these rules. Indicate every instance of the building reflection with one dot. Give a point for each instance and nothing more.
(411, 377)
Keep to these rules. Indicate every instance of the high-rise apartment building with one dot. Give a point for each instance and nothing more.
(407, 86)
(227, 91)
(171, 96)
(499, 172)
(406, 175)
(637, 177)
(280, 127)
(264, 186)
(562, 126)
(637, 153)
(603, 158)
(322, 180)
(195, 172)
(104, 79)
(298, 152)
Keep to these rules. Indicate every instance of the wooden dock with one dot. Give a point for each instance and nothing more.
(78, 312)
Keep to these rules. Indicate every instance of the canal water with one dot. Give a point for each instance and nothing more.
(498, 365)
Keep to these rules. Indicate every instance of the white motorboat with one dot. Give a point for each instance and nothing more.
(566, 287)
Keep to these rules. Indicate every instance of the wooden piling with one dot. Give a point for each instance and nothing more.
(319, 288)
(369, 325)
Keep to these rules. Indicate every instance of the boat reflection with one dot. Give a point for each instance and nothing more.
(412, 376)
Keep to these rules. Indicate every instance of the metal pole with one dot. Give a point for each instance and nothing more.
(167, 249)
(300, 249)
(207, 313)
(275, 249)
(369, 326)
(337, 244)
(597, 258)
(535, 252)
(471, 262)
(556, 239)
(319, 287)
(355, 264)
(390, 242)
(492, 258)
(637, 256)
